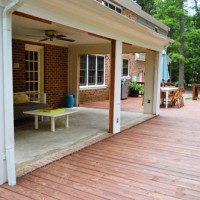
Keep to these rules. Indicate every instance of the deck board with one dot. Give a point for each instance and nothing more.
(156, 160)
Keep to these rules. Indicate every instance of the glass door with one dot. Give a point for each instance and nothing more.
(33, 72)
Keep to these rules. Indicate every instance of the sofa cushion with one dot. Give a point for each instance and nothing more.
(21, 98)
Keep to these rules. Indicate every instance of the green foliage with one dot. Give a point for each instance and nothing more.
(168, 12)
(136, 87)
(192, 53)
(147, 5)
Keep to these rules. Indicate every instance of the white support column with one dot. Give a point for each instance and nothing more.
(73, 74)
(156, 102)
(115, 87)
(3, 174)
(6, 98)
(149, 82)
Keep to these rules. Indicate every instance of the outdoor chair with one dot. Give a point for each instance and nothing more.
(177, 98)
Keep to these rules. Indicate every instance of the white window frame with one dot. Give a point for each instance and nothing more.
(95, 86)
(40, 50)
(113, 4)
(140, 56)
(128, 76)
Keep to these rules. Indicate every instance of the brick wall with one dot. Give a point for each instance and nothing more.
(129, 14)
(55, 71)
(135, 66)
(86, 96)
(92, 95)
(19, 74)
(56, 75)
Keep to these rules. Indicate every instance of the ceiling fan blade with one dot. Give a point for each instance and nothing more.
(65, 39)
(44, 39)
(59, 36)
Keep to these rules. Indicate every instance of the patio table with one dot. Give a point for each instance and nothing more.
(167, 90)
(38, 113)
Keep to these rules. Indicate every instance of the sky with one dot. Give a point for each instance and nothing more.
(190, 4)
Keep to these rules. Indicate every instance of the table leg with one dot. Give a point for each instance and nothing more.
(36, 121)
(52, 124)
(166, 99)
(66, 121)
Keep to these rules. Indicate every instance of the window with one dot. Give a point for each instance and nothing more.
(156, 29)
(125, 67)
(92, 70)
(31, 71)
(34, 71)
(140, 56)
(112, 6)
(83, 70)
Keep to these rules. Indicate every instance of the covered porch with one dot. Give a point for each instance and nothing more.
(103, 37)
(35, 148)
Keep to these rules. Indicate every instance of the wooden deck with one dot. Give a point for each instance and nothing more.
(156, 160)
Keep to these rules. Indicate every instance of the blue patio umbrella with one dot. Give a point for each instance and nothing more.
(164, 68)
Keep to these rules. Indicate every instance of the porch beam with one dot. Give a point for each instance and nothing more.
(115, 86)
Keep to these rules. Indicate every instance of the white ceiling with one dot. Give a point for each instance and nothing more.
(28, 29)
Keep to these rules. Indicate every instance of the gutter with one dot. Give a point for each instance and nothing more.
(7, 92)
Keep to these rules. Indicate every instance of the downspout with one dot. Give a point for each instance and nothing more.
(8, 89)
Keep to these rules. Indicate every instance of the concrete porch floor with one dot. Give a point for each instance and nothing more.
(35, 148)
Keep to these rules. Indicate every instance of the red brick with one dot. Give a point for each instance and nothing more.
(55, 71)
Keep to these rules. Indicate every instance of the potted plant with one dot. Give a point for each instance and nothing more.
(135, 89)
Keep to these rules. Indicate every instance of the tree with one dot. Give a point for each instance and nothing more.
(182, 45)
(147, 5)
(192, 46)
(197, 15)
(168, 12)
(185, 31)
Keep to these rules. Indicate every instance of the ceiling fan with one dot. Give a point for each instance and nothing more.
(53, 34)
